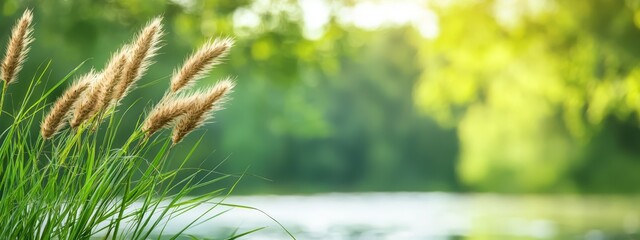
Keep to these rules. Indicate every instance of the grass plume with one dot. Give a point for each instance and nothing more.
(54, 121)
(18, 47)
(89, 102)
(101, 93)
(200, 63)
(188, 113)
(113, 75)
(202, 109)
(166, 112)
(143, 48)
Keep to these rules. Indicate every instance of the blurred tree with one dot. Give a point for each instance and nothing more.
(545, 94)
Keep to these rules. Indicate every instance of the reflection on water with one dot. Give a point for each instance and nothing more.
(425, 216)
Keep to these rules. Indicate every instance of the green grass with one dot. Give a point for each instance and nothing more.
(100, 178)
(83, 181)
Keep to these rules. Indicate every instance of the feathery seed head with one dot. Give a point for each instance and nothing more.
(88, 103)
(165, 113)
(143, 48)
(53, 122)
(18, 47)
(219, 91)
(200, 63)
(113, 75)
(207, 103)
(186, 125)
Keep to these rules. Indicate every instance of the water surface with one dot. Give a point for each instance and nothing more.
(423, 216)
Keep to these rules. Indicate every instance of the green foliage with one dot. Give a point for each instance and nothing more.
(532, 88)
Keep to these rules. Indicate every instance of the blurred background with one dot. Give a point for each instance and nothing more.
(531, 106)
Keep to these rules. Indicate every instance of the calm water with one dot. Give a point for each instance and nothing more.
(424, 216)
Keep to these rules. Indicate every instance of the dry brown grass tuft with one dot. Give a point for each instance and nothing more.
(18, 47)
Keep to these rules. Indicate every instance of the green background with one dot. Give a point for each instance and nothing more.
(521, 97)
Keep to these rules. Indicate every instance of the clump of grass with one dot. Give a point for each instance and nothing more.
(76, 183)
